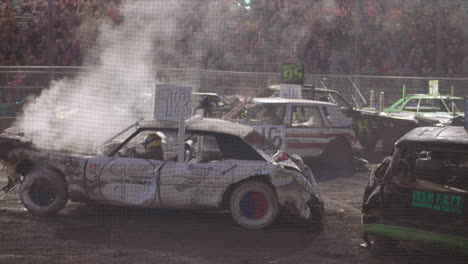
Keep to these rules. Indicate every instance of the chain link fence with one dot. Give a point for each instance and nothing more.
(18, 83)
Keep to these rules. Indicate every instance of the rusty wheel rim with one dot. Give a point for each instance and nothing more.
(43, 192)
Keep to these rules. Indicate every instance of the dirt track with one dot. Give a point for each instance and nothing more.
(85, 234)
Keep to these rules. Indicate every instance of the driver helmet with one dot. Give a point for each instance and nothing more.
(152, 140)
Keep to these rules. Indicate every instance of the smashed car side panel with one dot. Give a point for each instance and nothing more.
(23, 159)
(124, 181)
(205, 185)
(195, 185)
(296, 193)
(419, 193)
(72, 168)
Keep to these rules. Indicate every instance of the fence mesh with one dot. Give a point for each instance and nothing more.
(20, 82)
(298, 181)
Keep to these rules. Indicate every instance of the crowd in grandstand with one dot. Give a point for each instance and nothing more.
(24, 30)
(389, 37)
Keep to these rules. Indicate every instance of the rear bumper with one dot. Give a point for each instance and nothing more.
(413, 234)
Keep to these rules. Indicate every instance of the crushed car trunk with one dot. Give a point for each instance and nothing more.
(420, 192)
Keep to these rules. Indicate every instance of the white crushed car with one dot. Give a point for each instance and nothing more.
(225, 166)
(311, 129)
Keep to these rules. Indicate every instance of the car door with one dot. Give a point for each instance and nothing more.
(434, 109)
(306, 131)
(430, 195)
(185, 185)
(269, 120)
(199, 182)
(123, 181)
(409, 109)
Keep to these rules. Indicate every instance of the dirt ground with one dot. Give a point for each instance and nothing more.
(89, 234)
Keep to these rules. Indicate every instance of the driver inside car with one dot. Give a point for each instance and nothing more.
(150, 148)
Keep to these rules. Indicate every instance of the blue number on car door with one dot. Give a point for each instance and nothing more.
(268, 119)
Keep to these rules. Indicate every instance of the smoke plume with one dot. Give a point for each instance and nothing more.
(73, 114)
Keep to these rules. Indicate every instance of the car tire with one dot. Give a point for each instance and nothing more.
(388, 144)
(43, 192)
(369, 143)
(338, 154)
(318, 219)
(254, 205)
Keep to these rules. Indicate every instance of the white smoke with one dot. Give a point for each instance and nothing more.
(73, 114)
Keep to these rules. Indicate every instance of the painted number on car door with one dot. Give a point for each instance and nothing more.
(274, 134)
(128, 181)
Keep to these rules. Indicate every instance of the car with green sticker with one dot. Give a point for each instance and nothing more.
(407, 113)
(420, 192)
(428, 109)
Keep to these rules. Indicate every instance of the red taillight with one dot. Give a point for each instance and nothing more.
(282, 156)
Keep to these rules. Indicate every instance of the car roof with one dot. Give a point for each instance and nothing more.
(210, 125)
(205, 94)
(305, 87)
(279, 100)
(430, 96)
(454, 137)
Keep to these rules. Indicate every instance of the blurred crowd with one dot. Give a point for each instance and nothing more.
(369, 37)
(24, 30)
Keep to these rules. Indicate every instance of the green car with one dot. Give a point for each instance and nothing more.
(430, 109)
(419, 194)
(407, 113)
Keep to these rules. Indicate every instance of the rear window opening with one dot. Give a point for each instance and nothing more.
(448, 169)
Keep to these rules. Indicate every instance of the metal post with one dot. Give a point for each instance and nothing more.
(357, 28)
(180, 140)
(51, 37)
(404, 91)
(439, 38)
(381, 101)
(266, 20)
(372, 99)
(466, 112)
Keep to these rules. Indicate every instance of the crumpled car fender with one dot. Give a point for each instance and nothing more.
(295, 192)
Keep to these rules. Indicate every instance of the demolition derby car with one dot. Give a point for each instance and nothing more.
(311, 129)
(214, 105)
(420, 193)
(224, 166)
(410, 111)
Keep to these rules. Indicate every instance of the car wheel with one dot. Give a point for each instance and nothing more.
(369, 143)
(317, 221)
(388, 143)
(254, 205)
(43, 192)
(338, 154)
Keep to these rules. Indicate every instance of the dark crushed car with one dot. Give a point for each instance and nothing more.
(419, 193)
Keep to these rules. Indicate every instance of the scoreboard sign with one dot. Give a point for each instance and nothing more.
(292, 74)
